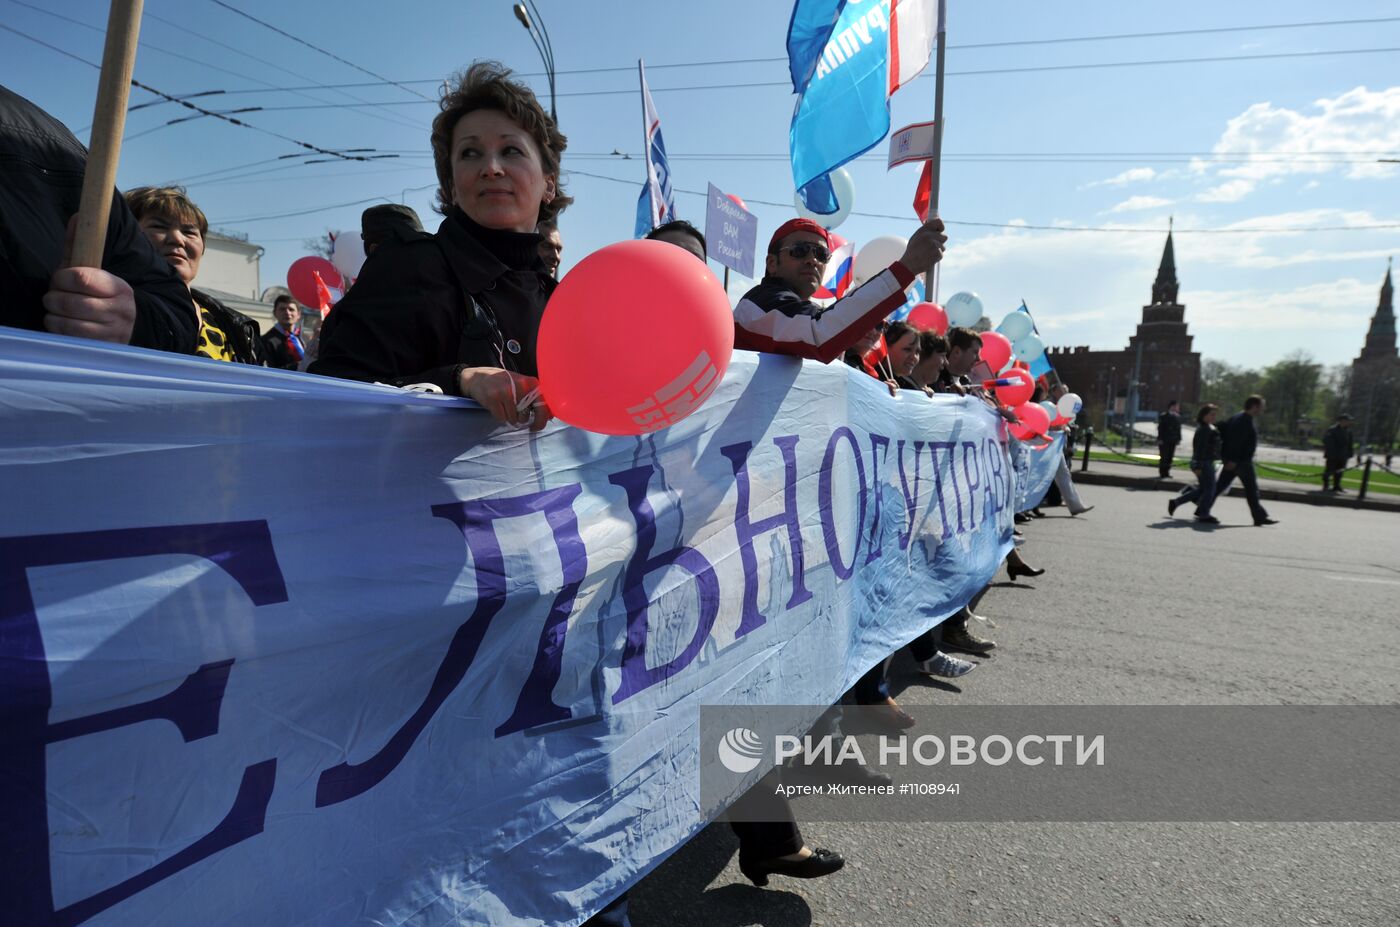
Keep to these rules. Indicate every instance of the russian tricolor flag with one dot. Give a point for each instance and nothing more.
(846, 60)
(840, 272)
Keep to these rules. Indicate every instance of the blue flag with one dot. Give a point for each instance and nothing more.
(846, 59)
(657, 204)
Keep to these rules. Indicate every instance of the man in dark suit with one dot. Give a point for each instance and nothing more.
(1168, 437)
(283, 343)
(1239, 438)
(1337, 448)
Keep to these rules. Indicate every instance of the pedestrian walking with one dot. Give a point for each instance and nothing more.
(1205, 451)
(1239, 439)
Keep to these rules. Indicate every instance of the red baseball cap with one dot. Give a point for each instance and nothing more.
(798, 225)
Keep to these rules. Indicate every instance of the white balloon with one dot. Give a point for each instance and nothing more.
(877, 254)
(1016, 326)
(1029, 348)
(348, 253)
(964, 309)
(1069, 405)
(845, 189)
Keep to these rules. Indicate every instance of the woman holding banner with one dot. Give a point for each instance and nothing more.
(459, 311)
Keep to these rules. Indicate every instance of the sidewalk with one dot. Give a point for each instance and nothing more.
(1134, 476)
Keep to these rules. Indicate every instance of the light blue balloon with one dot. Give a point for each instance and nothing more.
(1029, 348)
(1016, 325)
(964, 309)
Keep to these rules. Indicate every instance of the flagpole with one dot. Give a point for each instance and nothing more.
(108, 123)
(931, 280)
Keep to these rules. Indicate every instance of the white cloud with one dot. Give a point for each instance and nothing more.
(1340, 134)
(1346, 302)
(1231, 191)
(1135, 203)
(1131, 175)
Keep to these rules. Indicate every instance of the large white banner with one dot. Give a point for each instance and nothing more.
(277, 649)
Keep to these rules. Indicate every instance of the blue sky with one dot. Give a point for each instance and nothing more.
(1104, 147)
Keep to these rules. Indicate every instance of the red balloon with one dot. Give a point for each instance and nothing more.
(996, 350)
(929, 317)
(1014, 394)
(1033, 417)
(302, 282)
(738, 202)
(655, 298)
(836, 241)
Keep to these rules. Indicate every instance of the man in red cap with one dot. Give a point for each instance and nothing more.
(778, 315)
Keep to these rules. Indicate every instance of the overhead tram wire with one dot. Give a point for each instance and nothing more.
(188, 105)
(985, 72)
(1041, 228)
(728, 62)
(388, 116)
(267, 25)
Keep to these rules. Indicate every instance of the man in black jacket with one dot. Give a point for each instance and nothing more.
(1239, 438)
(284, 345)
(134, 298)
(1168, 437)
(1337, 448)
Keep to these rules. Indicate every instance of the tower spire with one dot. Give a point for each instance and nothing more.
(1164, 289)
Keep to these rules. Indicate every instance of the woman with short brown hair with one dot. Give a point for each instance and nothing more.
(460, 310)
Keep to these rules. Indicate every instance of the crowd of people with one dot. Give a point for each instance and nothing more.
(458, 311)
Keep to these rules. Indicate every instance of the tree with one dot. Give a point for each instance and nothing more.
(1290, 386)
(1227, 385)
(319, 246)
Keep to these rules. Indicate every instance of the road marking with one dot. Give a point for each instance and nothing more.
(1363, 579)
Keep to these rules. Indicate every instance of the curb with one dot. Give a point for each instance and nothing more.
(1090, 478)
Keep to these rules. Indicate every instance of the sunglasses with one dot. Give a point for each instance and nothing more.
(804, 248)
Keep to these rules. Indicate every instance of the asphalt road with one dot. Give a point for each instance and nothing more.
(1135, 609)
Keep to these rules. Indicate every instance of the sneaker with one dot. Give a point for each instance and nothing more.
(1171, 506)
(1266, 521)
(1207, 519)
(946, 666)
(964, 641)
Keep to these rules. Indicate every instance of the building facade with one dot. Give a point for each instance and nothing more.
(1159, 350)
(1375, 376)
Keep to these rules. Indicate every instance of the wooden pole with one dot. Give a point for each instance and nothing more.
(931, 279)
(108, 124)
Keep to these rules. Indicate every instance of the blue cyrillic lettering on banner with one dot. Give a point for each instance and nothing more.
(833, 543)
(748, 530)
(477, 521)
(636, 676)
(244, 551)
(878, 443)
(973, 476)
(911, 501)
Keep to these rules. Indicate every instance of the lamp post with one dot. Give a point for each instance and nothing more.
(540, 36)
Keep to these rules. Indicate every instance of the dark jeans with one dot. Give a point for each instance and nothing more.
(1203, 493)
(1333, 470)
(872, 688)
(1245, 471)
(1165, 453)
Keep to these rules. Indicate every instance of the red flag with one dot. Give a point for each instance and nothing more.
(875, 357)
(924, 193)
(323, 294)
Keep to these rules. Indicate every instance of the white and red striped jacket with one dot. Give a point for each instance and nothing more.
(773, 318)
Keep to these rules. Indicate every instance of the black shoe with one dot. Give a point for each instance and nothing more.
(820, 863)
(1207, 519)
(1037, 513)
(1014, 571)
(1171, 506)
(1339, 489)
(1020, 518)
(1265, 521)
(964, 641)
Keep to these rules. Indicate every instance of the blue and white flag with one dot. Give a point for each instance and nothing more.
(847, 58)
(657, 204)
(1041, 365)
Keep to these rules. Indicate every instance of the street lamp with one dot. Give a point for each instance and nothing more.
(540, 36)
